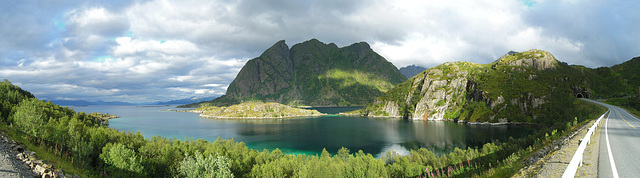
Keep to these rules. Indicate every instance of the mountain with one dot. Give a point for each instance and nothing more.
(621, 80)
(187, 100)
(312, 73)
(83, 102)
(412, 70)
(531, 87)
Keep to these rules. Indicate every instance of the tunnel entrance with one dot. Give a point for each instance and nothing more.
(579, 95)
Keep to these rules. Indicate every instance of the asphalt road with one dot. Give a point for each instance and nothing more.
(619, 144)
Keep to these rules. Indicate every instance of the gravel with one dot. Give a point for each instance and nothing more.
(552, 160)
(9, 165)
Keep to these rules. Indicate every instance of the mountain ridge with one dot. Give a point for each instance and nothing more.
(531, 86)
(312, 73)
(411, 70)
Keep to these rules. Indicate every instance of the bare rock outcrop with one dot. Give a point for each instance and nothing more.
(534, 58)
(26, 163)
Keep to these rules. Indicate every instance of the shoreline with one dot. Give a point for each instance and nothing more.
(202, 114)
(451, 120)
(347, 114)
(259, 118)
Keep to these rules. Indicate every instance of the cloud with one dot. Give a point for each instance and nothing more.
(605, 30)
(159, 50)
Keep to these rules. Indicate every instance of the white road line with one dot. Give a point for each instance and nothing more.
(613, 164)
(630, 115)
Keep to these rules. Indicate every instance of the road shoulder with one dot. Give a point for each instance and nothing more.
(560, 153)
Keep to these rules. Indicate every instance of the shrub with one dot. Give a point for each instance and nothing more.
(122, 161)
(198, 166)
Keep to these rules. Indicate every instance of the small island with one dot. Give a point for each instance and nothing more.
(255, 110)
(103, 118)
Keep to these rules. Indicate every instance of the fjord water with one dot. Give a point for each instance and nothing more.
(310, 135)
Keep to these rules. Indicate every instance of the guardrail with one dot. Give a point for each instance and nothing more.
(576, 161)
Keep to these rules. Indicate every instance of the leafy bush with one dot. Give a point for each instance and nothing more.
(198, 166)
(30, 118)
(123, 162)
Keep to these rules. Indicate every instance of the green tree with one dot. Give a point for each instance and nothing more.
(123, 161)
(198, 166)
(30, 118)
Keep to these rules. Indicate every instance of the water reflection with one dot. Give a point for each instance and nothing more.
(311, 135)
(371, 135)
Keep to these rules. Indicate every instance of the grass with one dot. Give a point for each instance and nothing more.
(354, 77)
(43, 152)
(256, 110)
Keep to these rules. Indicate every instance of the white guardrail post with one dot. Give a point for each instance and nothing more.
(576, 161)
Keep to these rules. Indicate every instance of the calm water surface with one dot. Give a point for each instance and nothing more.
(310, 135)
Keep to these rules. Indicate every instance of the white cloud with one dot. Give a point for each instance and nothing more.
(166, 49)
(96, 21)
(127, 46)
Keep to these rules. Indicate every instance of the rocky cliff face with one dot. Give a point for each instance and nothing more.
(313, 73)
(271, 72)
(515, 88)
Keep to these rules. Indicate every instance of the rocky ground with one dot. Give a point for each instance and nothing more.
(17, 162)
(9, 165)
(552, 160)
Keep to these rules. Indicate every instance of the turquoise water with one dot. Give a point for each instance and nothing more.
(310, 135)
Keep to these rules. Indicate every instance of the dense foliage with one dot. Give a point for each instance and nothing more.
(628, 102)
(620, 80)
(101, 151)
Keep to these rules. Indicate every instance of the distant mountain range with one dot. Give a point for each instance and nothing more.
(412, 70)
(187, 100)
(313, 73)
(83, 102)
(172, 102)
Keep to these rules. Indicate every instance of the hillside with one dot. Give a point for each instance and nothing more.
(412, 70)
(621, 80)
(531, 87)
(312, 73)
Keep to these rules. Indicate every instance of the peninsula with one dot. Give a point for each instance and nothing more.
(255, 110)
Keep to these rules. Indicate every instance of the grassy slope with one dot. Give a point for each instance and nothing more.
(519, 84)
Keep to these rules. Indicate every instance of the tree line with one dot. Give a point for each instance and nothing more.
(101, 151)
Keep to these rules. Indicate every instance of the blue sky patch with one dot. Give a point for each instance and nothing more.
(529, 3)
(60, 24)
(102, 59)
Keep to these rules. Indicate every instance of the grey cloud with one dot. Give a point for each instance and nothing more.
(225, 34)
(607, 29)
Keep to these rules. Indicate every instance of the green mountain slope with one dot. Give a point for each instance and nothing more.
(312, 73)
(531, 86)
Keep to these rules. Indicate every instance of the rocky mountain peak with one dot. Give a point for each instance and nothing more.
(280, 48)
(313, 73)
(534, 58)
(360, 47)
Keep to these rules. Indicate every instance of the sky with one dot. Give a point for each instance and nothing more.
(159, 50)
